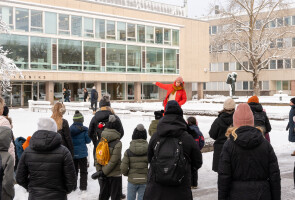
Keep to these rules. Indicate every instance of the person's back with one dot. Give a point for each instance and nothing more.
(155, 122)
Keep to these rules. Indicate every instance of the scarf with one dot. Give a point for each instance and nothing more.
(176, 89)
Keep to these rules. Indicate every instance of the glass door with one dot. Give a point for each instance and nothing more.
(27, 94)
(16, 95)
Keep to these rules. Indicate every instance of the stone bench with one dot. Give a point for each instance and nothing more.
(83, 107)
(37, 106)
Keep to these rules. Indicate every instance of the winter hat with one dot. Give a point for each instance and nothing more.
(105, 101)
(158, 114)
(5, 111)
(113, 123)
(253, 99)
(46, 123)
(180, 79)
(4, 122)
(139, 132)
(78, 117)
(243, 116)
(229, 104)
(293, 100)
(173, 107)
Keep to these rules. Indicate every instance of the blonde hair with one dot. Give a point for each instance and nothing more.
(107, 108)
(232, 131)
(57, 112)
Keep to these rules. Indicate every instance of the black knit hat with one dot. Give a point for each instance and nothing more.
(173, 107)
(293, 100)
(78, 117)
(113, 123)
(5, 111)
(139, 132)
(158, 114)
(105, 101)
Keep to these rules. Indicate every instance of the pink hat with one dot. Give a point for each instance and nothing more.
(243, 116)
(180, 79)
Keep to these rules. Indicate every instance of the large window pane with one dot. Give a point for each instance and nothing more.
(175, 37)
(150, 34)
(154, 60)
(285, 85)
(111, 31)
(134, 58)
(100, 28)
(6, 14)
(70, 55)
(76, 26)
(58, 91)
(159, 35)
(64, 24)
(167, 36)
(116, 58)
(287, 63)
(22, 19)
(273, 64)
(92, 55)
(141, 33)
(170, 61)
(50, 23)
(40, 53)
(36, 21)
(121, 31)
(116, 91)
(280, 64)
(149, 91)
(131, 32)
(88, 27)
(18, 48)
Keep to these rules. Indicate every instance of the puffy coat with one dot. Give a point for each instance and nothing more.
(19, 146)
(172, 124)
(291, 124)
(260, 117)
(94, 95)
(46, 168)
(113, 167)
(5, 123)
(135, 162)
(197, 135)
(80, 138)
(66, 136)
(180, 94)
(7, 164)
(217, 132)
(153, 126)
(248, 168)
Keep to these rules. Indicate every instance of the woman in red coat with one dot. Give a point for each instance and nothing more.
(175, 91)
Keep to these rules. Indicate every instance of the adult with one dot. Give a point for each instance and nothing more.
(248, 167)
(46, 168)
(85, 94)
(172, 125)
(66, 94)
(218, 129)
(63, 128)
(93, 99)
(175, 91)
(291, 124)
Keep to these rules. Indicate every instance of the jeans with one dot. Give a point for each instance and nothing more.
(94, 103)
(133, 189)
(67, 99)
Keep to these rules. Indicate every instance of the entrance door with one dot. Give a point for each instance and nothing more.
(16, 95)
(27, 94)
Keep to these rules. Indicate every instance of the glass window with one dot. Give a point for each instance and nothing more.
(70, 55)
(141, 33)
(287, 42)
(130, 91)
(279, 85)
(154, 60)
(76, 26)
(287, 21)
(280, 64)
(265, 85)
(170, 61)
(6, 14)
(220, 67)
(280, 22)
(293, 42)
(245, 85)
(40, 53)
(226, 66)
(149, 91)
(273, 24)
(280, 43)
(100, 28)
(58, 91)
(116, 91)
(111, 30)
(213, 30)
(116, 58)
(293, 63)
(175, 37)
(63, 24)
(121, 31)
(285, 85)
(131, 32)
(287, 63)
(36, 21)
(273, 64)
(22, 19)
(133, 58)
(50, 23)
(159, 35)
(239, 66)
(251, 85)
(92, 56)
(167, 36)
(293, 20)
(232, 66)
(214, 67)
(88, 27)
(258, 24)
(245, 64)
(150, 34)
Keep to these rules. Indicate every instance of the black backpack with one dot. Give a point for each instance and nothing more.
(168, 163)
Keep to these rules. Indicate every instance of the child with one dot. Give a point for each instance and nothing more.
(135, 164)
(80, 138)
(199, 138)
(154, 123)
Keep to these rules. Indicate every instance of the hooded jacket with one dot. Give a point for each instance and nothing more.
(260, 117)
(248, 168)
(291, 124)
(80, 138)
(66, 136)
(46, 168)
(135, 162)
(153, 126)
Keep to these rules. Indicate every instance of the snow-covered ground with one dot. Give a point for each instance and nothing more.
(25, 124)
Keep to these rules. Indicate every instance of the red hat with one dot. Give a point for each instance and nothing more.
(253, 99)
(180, 79)
(243, 116)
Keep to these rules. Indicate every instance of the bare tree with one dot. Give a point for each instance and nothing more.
(249, 34)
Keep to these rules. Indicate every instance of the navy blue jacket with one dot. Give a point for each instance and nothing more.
(291, 124)
(80, 138)
(198, 136)
(94, 95)
(19, 146)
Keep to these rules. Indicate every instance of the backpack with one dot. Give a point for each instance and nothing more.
(103, 151)
(168, 162)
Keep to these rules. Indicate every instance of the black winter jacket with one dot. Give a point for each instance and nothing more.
(46, 168)
(260, 118)
(66, 136)
(173, 125)
(248, 168)
(217, 132)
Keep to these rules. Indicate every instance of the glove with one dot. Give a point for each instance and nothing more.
(98, 175)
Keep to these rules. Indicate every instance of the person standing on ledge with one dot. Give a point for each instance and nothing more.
(175, 91)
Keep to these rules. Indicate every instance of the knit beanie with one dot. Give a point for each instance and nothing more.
(293, 100)
(180, 79)
(113, 123)
(105, 101)
(47, 124)
(5, 111)
(229, 104)
(78, 117)
(139, 132)
(253, 99)
(158, 114)
(243, 116)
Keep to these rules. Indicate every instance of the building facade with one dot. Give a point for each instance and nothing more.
(121, 47)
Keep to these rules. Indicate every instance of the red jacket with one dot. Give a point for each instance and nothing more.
(180, 94)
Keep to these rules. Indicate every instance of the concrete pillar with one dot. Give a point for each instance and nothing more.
(98, 89)
(49, 88)
(200, 90)
(137, 92)
(189, 90)
(293, 88)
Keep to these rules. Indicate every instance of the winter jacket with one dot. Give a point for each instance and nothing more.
(217, 132)
(180, 94)
(66, 94)
(100, 116)
(7, 164)
(173, 125)
(85, 95)
(260, 117)
(94, 95)
(113, 167)
(135, 162)
(153, 126)
(291, 124)
(248, 168)
(19, 146)
(66, 136)
(5, 123)
(80, 138)
(46, 168)
(198, 136)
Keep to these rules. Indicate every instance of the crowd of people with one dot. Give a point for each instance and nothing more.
(166, 167)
